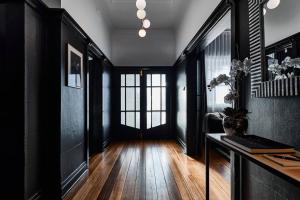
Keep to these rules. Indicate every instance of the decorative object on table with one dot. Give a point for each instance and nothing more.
(257, 144)
(288, 68)
(235, 121)
(284, 160)
(239, 70)
(75, 67)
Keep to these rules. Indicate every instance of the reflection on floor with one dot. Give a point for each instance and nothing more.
(152, 170)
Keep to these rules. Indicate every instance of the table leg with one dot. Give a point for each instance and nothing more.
(207, 147)
(235, 176)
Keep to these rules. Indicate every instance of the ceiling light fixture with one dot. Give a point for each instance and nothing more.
(272, 4)
(141, 14)
(265, 11)
(146, 23)
(141, 4)
(142, 32)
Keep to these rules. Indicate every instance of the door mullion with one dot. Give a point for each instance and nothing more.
(143, 100)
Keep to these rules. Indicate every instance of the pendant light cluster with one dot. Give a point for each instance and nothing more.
(271, 4)
(141, 14)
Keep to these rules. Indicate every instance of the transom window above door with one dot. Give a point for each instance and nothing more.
(130, 100)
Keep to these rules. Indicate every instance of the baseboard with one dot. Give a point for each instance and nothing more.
(74, 189)
(36, 196)
(181, 143)
(69, 182)
(106, 143)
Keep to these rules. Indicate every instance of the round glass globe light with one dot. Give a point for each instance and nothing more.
(141, 14)
(142, 33)
(272, 4)
(146, 23)
(141, 4)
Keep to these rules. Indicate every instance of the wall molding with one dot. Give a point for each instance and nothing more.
(36, 196)
(181, 143)
(106, 143)
(220, 11)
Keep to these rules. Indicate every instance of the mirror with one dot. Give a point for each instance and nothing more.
(281, 22)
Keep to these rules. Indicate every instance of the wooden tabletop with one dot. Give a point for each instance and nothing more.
(291, 174)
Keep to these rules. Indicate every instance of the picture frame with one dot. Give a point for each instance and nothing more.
(74, 67)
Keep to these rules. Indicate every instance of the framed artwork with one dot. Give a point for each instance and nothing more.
(75, 67)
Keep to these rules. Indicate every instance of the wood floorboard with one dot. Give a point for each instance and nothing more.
(140, 170)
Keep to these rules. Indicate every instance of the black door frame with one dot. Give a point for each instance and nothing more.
(160, 132)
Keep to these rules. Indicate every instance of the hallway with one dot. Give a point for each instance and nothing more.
(151, 170)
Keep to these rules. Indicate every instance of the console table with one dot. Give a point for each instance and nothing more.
(291, 174)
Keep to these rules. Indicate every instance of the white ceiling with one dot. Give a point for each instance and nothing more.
(163, 14)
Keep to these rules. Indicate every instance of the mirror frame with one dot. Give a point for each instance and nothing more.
(259, 87)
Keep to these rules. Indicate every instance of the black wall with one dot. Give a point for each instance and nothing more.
(276, 119)
(35, 30)
(12, 108)
(73, 111)
(45, 123)
(186, 101)
(273, 118)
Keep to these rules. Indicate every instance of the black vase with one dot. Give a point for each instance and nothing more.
(235, 126)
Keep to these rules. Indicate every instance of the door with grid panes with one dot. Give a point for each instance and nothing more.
(144, 107)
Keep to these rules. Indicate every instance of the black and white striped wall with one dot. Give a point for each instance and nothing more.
(284, 87)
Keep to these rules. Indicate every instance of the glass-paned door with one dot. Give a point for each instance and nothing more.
(130, 100)
(143, 102)
(156, 100)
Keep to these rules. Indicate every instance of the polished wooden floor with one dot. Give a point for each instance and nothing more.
(152, 170)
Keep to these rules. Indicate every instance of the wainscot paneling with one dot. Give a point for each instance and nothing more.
(68, 105)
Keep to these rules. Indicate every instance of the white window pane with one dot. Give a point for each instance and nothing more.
(155, 119)
(137, 101)
(148, 120)
(130, 119)
(148, 79)
(163, 99)
(130, 99)
(148, 98)
(137, 120)
(123, 99)
(123, 118)
(130, 80)
(155, 79)
(163, 80)
(122, 79)
(221, 92)
(156, 99)
(137, 79)
(163, 118)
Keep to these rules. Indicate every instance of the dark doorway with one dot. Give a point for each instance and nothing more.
(94, 104)
(142, 103)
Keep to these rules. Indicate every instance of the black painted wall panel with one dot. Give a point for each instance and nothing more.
(73, 108)
(276, 119)
(34, 112)
(95, 105)
(12, 98)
